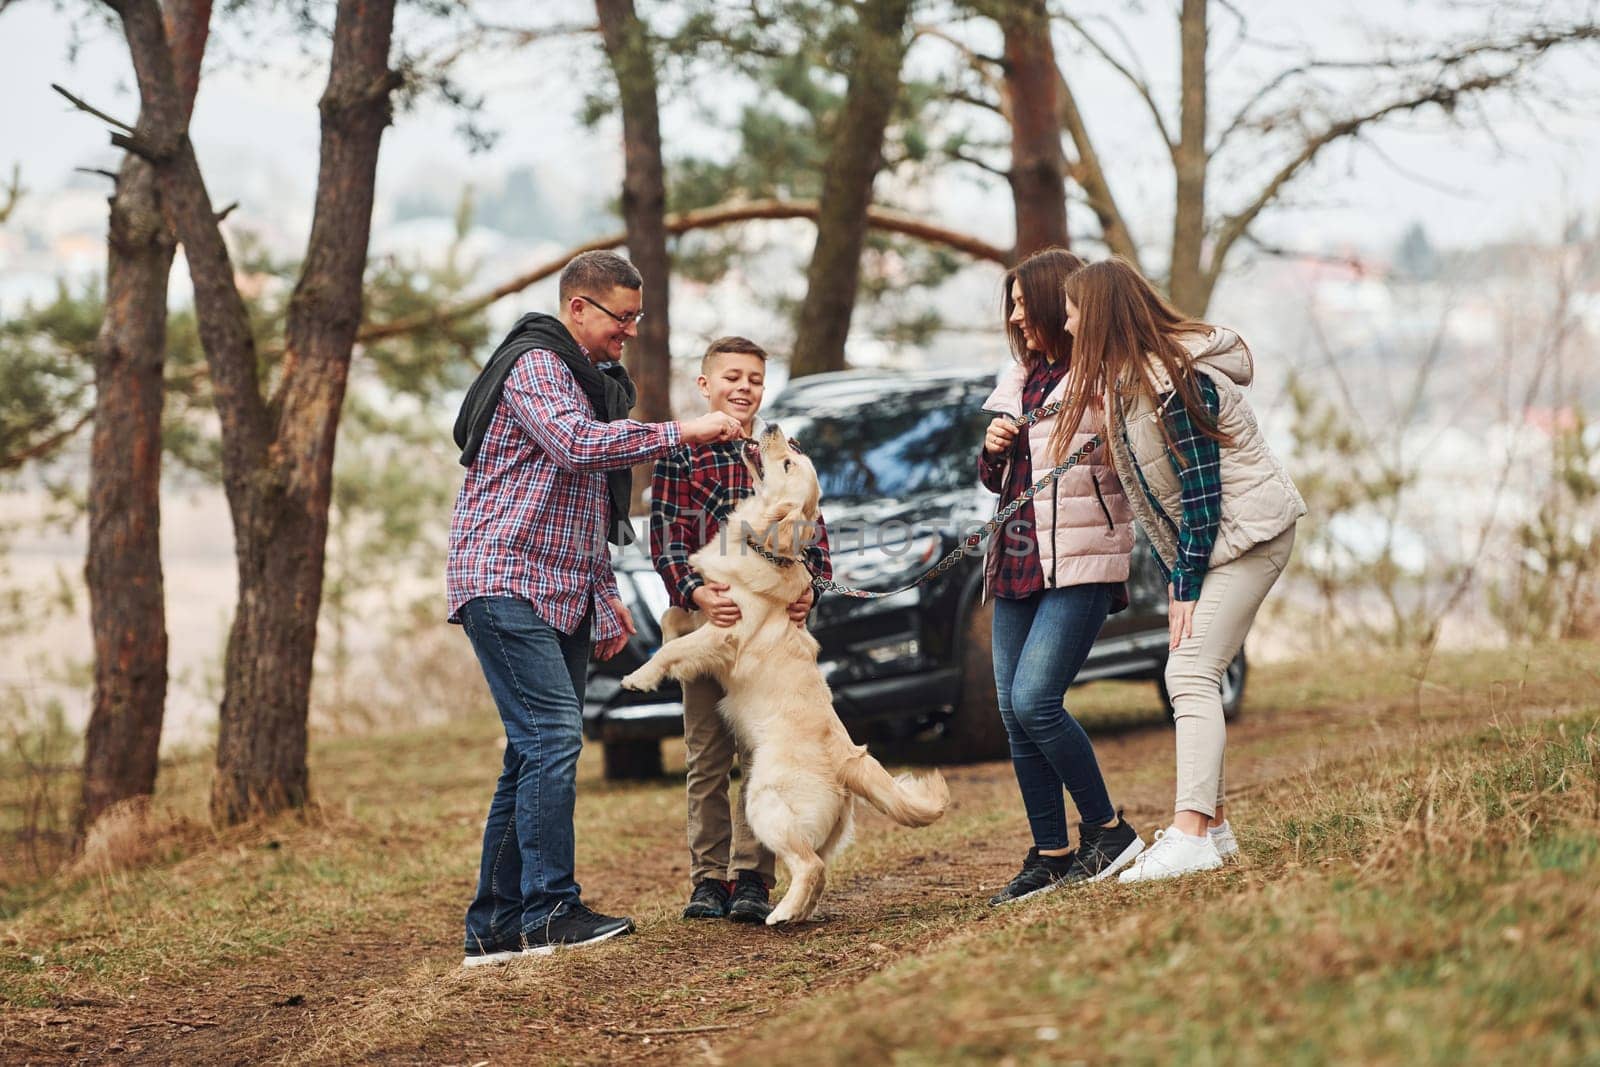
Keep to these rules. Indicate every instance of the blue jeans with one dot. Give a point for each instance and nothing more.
(537, 676)
(1039, 645)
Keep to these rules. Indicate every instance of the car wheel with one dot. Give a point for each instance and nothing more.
(974, 731)
(1232, 689)
(632, 761)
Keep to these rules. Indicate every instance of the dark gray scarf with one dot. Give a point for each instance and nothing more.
(611, 392)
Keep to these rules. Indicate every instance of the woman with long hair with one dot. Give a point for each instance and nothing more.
(1057, 570)
(1217, 506)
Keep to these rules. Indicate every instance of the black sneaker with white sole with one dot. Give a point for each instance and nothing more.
(1104, 850)
(571, 925)
(495, 950)
(1039, 874)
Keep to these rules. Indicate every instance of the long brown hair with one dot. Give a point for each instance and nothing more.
(1122, 323)
(1042, 275)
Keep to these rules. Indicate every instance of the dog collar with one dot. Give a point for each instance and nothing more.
(770, 557)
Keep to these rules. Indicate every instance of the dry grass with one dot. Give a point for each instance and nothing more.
(1434, 908)
(1420, 887)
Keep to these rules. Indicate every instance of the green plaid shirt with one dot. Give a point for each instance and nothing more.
(1200, 483)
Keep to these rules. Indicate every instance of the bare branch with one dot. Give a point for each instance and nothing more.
(90, 170)
(13, 192)
(1524, 46)
(96, 112)
(1091, 176)
(1232, 227)
(47, 446)
(974, 161)
(683, 222)
(1141, 86)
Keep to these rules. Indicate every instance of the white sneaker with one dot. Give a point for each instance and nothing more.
(1227, 845)
(1174, 853)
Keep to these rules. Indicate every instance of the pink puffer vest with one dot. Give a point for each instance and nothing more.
(1084, 536)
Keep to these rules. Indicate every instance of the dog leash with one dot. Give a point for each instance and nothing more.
(971, 541)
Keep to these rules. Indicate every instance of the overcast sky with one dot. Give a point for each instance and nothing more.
(257, 119)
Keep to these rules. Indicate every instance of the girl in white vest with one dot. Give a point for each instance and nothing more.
(1215, 503)
(1058, 568)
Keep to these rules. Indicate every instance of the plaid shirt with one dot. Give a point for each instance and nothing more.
(530, 520)
(1020, 574)
(694, 489)
(1200, 491)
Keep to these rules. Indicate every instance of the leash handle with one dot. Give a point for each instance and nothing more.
(973, 540)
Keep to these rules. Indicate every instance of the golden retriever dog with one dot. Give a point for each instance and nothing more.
(804, 772)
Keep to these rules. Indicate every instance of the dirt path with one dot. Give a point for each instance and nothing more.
(675, 990)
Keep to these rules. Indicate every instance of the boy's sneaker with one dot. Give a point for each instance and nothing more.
(1104, 850)
(1227, 845)
(708, 901)
(496, 950)
(571, 925)
(1039, 874)
(751, 903)
(1174, 853)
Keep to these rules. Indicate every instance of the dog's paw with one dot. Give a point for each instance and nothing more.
(642, 680)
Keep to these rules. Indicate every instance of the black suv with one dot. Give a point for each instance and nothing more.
(896, 454)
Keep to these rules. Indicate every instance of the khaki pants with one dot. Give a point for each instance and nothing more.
(1229, 599)
(709, 748)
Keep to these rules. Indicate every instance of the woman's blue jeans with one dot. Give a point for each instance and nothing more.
(1039, 645)
(537, 675)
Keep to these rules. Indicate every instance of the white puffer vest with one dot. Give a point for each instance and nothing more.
(1259, 500)
(1085, 525)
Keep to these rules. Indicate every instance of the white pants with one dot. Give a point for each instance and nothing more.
(1229, 598)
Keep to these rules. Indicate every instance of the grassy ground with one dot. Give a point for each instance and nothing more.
(1419, 887)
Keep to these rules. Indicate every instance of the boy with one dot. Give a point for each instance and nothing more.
(694, 489)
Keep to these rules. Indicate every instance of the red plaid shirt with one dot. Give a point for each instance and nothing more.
(694, 489)
(530, 520)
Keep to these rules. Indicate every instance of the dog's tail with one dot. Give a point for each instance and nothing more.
(908, 800)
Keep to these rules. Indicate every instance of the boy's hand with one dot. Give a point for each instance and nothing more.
(1000, 435)
(712, 426)
(719, 609)
(802, 607)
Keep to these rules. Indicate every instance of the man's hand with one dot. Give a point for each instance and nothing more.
(720, 609)
(802, 607)
(712, 426)
(1180, 620)
(604, 650)
(1000, 435)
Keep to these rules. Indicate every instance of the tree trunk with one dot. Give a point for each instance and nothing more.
(123, 566)
(1187, 286)
(277, 458)
(1038, 165)
(644, 205)
(854, 159)
(281, 517)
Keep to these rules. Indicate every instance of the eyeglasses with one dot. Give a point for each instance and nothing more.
(629, 319)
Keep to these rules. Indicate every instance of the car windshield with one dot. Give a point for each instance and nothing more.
(889, 445)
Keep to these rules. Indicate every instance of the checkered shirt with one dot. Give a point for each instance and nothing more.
(694, 489)
(531, 518)
(1200, 491)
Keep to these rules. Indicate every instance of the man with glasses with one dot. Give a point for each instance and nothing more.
(549, 450)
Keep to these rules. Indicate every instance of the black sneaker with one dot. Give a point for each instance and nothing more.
(571, 925)
(496, 950)
(708, 901)
(1039, 874)
(751, 902)
(1104, 850)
